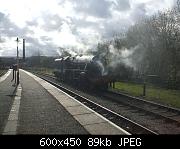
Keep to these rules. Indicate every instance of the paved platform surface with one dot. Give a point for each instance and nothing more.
(37, 107)
(6, 99)
(40, 113)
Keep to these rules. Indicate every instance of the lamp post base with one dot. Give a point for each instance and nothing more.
(17, 77)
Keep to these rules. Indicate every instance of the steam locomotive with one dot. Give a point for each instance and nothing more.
(83, 71)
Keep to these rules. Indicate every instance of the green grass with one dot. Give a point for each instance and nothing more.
(133, 89)
(43, 70)
(165, 96)
(47, 71)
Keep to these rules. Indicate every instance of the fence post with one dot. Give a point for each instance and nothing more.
(144, 86)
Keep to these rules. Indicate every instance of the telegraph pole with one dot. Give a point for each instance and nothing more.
(24, 50)
(17, 40)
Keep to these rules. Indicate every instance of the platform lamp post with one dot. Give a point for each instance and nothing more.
(17, 40)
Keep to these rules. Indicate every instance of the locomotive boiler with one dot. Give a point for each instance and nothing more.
(82, 71)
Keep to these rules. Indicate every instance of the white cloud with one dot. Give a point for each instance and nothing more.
(48, 24)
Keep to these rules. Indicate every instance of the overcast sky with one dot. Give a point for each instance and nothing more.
(80, 24)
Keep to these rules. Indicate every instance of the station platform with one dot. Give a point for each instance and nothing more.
(37, 107)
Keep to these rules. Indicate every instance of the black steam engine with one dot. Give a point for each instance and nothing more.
(82, 71)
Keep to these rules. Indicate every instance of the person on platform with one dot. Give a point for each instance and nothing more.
(14, 67)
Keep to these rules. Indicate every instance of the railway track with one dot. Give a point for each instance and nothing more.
(121, 121)
(169, 114)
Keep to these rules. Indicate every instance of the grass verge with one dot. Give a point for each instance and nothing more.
(160, 95)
